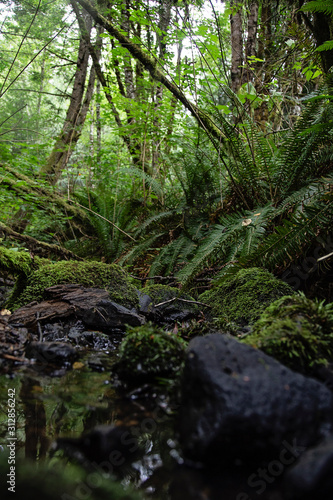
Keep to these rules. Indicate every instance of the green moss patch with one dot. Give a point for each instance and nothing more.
(297, 331)
(148, 352)
(15, 262)
(241, 298)
(89, 274)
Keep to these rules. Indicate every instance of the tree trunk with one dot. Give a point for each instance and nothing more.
(236, 45)
(250, 48)
(60, 153)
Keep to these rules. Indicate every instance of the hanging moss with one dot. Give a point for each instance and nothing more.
(148, 352)
(297, 331)
(242, 297)
(90, 274)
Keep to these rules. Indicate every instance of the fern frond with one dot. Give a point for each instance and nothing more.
(237, 235)
(152, 183)
(140, 249)
(167, 219)
(295, 235)
(318, 6)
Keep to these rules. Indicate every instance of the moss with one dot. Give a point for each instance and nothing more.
(15, 262)
(297, 331)
(242, 297)
(90, 274)
(148, 352)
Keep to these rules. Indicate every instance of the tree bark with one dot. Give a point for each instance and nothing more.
(237, 56)
(250, 48)
(60, 153)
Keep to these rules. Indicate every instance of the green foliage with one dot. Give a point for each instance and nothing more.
(295, 330)
(242, 297)
(235, 237)
(147, 353)
(90, 274)
(318, 6)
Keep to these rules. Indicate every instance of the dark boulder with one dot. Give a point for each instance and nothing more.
(239, 403)
(312, 476)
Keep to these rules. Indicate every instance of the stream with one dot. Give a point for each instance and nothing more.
(59, 402)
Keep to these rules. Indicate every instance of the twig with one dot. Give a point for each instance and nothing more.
(165, 278)
(101, 216)
(182, 300)
(40, 332)
(12, 358)
(325, 257)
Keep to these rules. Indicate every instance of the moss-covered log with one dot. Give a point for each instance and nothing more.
(110, 277)
(36, 246)
(45, 198)
(15, 262)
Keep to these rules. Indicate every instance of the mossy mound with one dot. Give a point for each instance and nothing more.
(297, 331)
(89, 274)
(148, 352)
(242, 297)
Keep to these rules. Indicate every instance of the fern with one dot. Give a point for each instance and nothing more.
(173, 255)
(318, 6)
(149, 181)
(235, 237)
(291, 238)
(140, 249)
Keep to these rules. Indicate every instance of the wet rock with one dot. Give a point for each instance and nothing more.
(239, 403)
(109, 315)
(312, 476)
(74, 302)
(51, 352)
(165, 305)
(144, 302)
(54, 332)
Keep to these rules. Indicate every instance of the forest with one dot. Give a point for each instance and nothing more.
(177, 139)
(166, 249)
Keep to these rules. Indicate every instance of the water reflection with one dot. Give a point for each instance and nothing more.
(36, 441)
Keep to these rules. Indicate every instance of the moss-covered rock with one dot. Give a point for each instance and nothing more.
(89, 274)
(295, 330)
(242, 297)
(148, 352)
